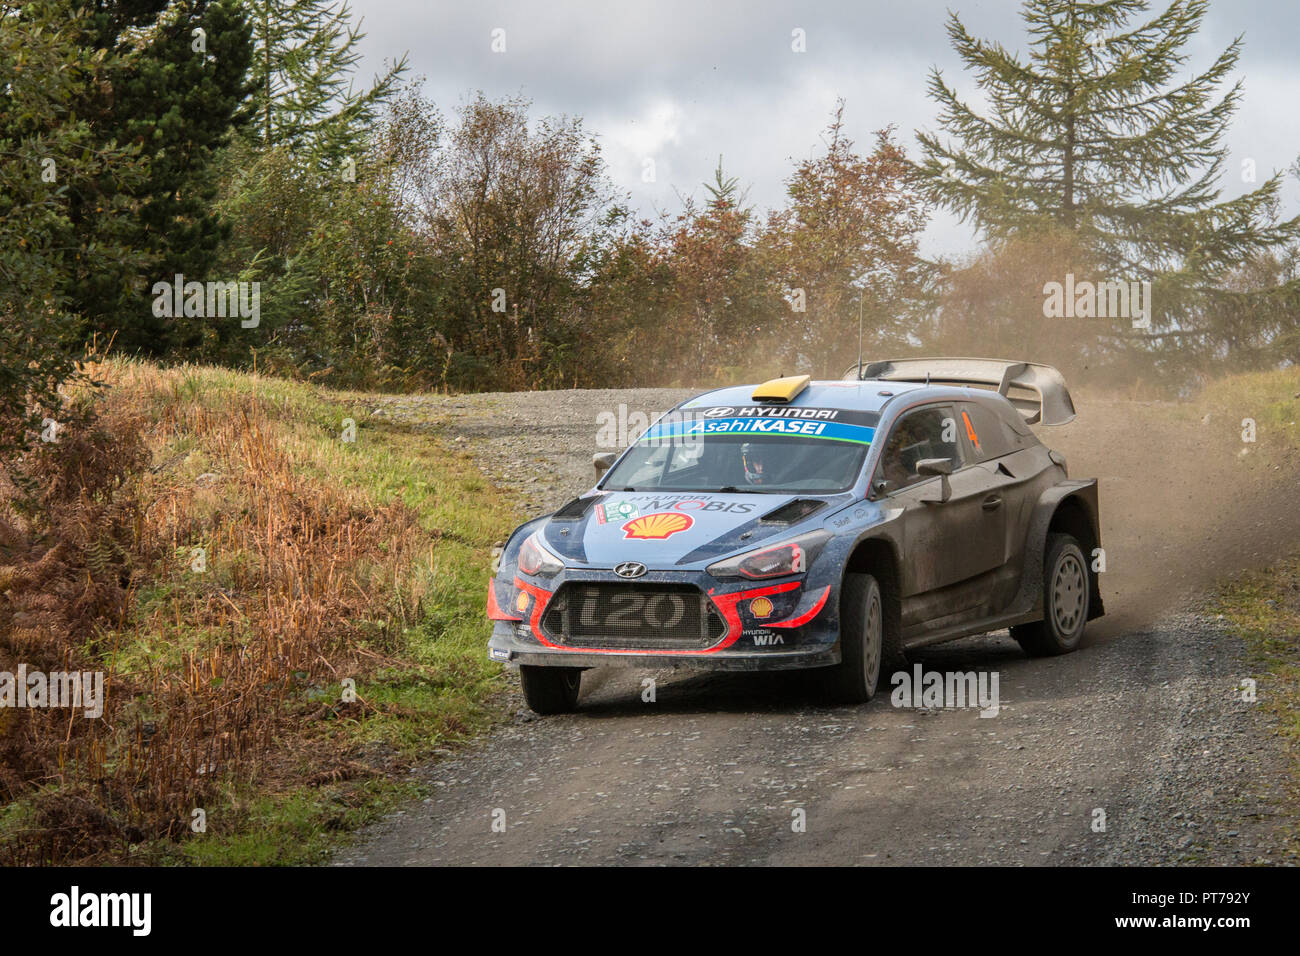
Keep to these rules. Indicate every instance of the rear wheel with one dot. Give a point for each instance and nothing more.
(866, 641)
(550, 690)
(1066, 593)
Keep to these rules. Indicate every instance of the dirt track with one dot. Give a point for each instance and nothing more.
(1142, 723)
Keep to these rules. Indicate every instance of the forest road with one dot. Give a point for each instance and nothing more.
(1136, 749)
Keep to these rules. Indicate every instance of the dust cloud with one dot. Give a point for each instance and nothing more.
(1185, 503)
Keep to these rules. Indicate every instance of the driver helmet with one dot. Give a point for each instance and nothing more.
(756, 460)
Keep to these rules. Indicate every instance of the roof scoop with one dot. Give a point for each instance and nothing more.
(781, 389)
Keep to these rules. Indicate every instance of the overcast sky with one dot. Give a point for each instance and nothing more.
(681, 82)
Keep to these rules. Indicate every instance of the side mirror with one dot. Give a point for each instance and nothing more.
(603, 462)
(936, 466)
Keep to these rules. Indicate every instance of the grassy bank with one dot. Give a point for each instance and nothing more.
(1271, 400)
(285, 597)
(1263, 608)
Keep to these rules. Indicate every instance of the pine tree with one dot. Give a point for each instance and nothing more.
(1097, 133)
(724, 191)
(47, 150)
(717, 280)
(305, 54)
(173, 91)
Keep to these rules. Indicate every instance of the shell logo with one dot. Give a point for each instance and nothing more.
(760, 607)
(660, 525)
(521, 602)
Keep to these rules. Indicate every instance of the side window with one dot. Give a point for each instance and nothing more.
(985, 432)
(930, 432)
(989, 434)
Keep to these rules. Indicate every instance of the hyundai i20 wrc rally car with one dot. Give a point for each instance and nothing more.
(811, 524)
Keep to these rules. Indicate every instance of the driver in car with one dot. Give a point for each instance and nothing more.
(755, 460)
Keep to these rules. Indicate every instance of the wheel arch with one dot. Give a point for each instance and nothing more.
(878, 556)
(1067, 508)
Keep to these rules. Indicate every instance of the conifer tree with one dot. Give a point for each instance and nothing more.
(305, 52)
(48, 149)
(1098, 132)
(174, 91)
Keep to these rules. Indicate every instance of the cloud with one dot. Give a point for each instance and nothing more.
(682, 82)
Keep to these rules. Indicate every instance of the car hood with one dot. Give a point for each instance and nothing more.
(666, 531)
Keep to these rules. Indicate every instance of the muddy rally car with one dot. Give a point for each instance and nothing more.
(801, 524)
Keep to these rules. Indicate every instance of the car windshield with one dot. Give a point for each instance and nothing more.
(740, 463)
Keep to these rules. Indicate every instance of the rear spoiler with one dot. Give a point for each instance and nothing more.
(1037, 391)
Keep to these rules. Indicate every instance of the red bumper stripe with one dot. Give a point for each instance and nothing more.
(811, 613)
(494, 611)
(727, 605)
(540, 598)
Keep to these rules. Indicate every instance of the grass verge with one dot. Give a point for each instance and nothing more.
(284, 596)
(1263, 608)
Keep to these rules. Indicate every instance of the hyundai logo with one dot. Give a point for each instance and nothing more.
(629, 569)
(720, 411)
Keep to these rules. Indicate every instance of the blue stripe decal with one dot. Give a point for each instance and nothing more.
(835, 431)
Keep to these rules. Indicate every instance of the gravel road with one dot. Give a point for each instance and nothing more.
(1143, 725)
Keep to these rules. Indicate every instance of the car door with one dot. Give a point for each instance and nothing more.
(994, 446)
(947, 540)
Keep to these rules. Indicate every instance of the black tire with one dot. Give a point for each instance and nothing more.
(1066, 595)
(550, 690)
(867, 642)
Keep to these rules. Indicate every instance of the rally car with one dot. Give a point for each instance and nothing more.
(812, 524)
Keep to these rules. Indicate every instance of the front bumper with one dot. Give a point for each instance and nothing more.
(506, 649)
(783, 624)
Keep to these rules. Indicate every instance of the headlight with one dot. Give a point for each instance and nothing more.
(535, 559)
(775, 560)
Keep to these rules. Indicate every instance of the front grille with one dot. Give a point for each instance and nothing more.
(633, 616)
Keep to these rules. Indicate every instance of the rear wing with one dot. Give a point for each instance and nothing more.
(1037, 391)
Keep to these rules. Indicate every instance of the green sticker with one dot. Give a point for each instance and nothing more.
(616, 511)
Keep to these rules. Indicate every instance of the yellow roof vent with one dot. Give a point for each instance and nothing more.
(781, 389)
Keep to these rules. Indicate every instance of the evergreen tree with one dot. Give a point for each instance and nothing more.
(724, 191)
(720, 285)
(47, 150)
(1098, 134)
(305, 53)
(173, 92)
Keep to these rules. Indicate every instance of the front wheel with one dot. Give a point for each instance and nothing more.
(864, 643)
(1066, 593)
(550, 690)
